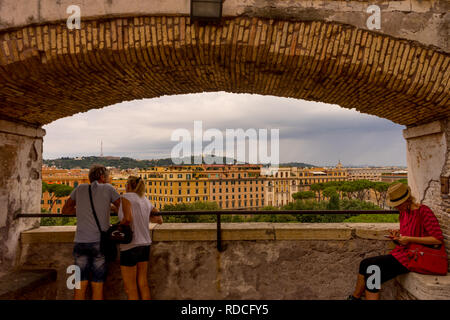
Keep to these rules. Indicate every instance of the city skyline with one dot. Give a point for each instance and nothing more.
(321, 134)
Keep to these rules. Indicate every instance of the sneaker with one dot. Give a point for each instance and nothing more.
(351, 297)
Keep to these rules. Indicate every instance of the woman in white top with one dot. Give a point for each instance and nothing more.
(137, 211)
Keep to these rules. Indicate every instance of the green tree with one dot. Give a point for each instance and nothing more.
(404, 181)
(329, 191)
(60, 221)
(371, 218)
(269, 208)
(362, 188)
(56, 191)
(301, 195)
(316, 188)
(348, 188)
(380, 190)
(334, 202)
(195, 206)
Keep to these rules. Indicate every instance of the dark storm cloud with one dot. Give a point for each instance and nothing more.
(309, 131)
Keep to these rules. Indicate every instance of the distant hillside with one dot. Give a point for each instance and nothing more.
(121, 163)
(87, 162)
(297, 164)
(129, 163)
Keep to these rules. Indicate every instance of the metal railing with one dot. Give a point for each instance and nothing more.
(218, 215)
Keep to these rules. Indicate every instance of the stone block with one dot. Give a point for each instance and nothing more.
(426, 287)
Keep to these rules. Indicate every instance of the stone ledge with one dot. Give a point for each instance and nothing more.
(232, 231)
(21, 130)
(373, 231)
(423, 130)
(313, 231)
(426, 287)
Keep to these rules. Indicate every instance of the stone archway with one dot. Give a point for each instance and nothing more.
(48, 72)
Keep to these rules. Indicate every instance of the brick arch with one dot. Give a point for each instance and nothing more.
(48, 72)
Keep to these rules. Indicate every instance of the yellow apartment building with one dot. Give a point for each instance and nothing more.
(71, 178)
(288, 180)
(230, 186)
(240, 186)
(393, 176)
(175, 184)
(119, 184)
(236, 186)
(371, 174)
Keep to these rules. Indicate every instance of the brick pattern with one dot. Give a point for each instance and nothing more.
(48, 72)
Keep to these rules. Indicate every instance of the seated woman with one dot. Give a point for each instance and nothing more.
(396, 262)
(137, 211)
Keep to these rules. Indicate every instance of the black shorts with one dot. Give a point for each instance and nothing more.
(389, 268)
(132, 256)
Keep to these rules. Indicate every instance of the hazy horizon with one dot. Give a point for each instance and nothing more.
(309, 132)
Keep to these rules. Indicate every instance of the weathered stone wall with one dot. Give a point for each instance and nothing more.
(415, 286)
(423, 21)
(428, 158)
(260, 261)
(20, 184)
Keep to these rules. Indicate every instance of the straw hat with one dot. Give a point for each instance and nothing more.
(397, 194)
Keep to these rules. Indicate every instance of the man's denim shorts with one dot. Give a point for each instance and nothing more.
(91, 261)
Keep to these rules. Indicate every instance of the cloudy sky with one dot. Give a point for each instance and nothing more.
(315, 133)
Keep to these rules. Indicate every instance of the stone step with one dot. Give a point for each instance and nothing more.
(28, 284)
(426, 287)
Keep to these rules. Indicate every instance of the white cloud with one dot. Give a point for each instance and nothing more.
(309, 131)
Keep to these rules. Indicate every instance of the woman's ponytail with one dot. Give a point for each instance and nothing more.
(137, 185)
